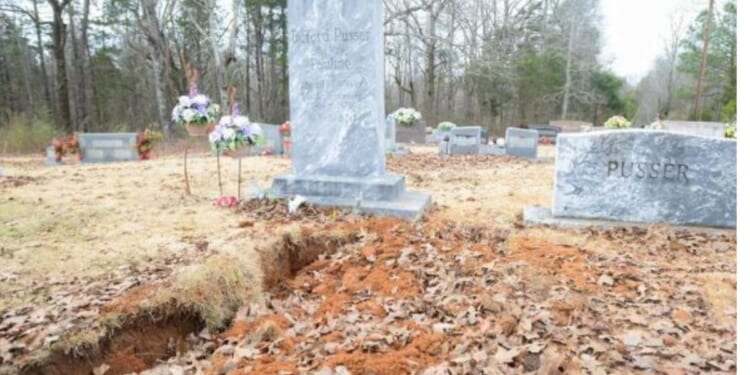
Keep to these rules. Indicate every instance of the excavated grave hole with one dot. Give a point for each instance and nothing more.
(135, 347)
(141, 342)
(296, 251)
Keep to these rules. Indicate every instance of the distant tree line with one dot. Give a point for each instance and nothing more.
(114, 65)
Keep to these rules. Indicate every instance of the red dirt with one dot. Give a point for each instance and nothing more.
(423, 351)
(241, 328)
(137, 347)
(561, 262)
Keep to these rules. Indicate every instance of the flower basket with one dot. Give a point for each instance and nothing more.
(235, 135)
(196, 130)
(196, 113)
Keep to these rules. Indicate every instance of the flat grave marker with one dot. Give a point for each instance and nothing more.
(107, 147)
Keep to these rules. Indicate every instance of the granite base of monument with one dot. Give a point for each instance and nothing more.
(382, 196)
(542, 216)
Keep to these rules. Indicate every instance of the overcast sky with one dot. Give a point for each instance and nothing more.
(635, 31)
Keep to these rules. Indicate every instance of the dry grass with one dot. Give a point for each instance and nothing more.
(87, 222)
(90, 220)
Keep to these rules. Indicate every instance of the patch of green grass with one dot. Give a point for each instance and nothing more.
(24, 134)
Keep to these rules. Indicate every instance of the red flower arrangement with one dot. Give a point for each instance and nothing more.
(66, 146)
(286, 128)
(145, 143)
(286, 134)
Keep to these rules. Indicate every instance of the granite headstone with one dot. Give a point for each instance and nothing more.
(646, 176)
(337, 94)
(547, 132)
(107, 147)
(523, 143)
(465, 140)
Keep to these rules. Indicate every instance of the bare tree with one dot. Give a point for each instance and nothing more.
(704, 58)
(58, 40)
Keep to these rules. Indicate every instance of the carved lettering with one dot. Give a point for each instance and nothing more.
(613, 165)
(652, 171)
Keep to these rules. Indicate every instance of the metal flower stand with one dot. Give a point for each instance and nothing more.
(194, 131)
(239, 155)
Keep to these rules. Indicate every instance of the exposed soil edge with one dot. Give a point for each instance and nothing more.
(139, 339)
(299, 248)
(135, 346)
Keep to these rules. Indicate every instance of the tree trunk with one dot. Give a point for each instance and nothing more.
(65, 121)
(704, 59)
(430, 68)
(157, 68)
(26, 76)
(568, 67)
(87, 80)
(248, 41)
(259, 68)
(155, 38)
(43, 64)
(218, 63)
(77, 87)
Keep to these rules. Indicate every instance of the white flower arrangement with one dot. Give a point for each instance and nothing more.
(234, 132)
(407, 116)
(617, 122)
(195, 109)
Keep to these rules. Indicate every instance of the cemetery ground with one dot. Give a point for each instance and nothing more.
(113, 269)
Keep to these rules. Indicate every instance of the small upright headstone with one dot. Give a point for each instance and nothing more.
(274, 144)
(567, 126)
(547, 133)
(390, 133)
(51, 157)
(703, 129)
(646, 176)
(465, 140)
(337, 103)
(523, 143)
(107, 147)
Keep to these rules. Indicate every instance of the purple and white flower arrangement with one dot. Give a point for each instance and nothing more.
(195, 109)
(235, 132)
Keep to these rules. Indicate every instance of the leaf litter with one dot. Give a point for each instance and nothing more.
(437, 297)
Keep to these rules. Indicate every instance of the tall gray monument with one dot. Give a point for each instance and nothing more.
(336, 79)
